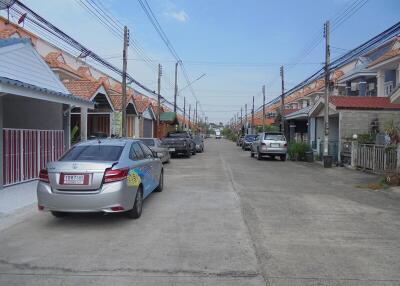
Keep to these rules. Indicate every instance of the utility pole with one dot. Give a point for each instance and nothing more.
(159, 98)
(245, 118)
(124, 68)
(176, 85)
(196, 113)
(252, 118)
(263, 113)
(283, 101)
(189, 114)
(184, 112)
(241, 119)
(327, 159)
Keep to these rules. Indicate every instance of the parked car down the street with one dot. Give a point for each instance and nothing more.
(110, 176)
(158, 148)
(247, 141)
(269, 143)
(199, 141)
(180, 142)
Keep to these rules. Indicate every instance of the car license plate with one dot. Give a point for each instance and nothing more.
(74, 179)
(171, 149)
(276, 145)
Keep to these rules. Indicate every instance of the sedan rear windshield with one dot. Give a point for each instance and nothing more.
(274, 137)
(93, 153)
(178, 135)
(147, 142)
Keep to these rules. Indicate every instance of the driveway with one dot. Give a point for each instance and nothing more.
(222, 219)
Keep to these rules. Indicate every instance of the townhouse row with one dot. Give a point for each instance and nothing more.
(50, 99)
(364, 99)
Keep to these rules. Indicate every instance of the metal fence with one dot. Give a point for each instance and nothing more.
(26, 151)
(376, 158)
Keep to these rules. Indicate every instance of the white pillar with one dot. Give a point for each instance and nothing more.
(84, 115)
(380, 83)
(137, 128)
(398, 75)
(1, 142)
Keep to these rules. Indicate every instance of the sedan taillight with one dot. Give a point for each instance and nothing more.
(263, 144)
(115, 175)
(285, 145)
(44, 176)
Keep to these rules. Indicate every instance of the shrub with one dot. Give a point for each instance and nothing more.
(366, 138)
(297, 150)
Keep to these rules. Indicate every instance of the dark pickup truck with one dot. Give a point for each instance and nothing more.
(180, 142)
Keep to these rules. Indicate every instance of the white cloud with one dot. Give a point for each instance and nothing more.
(180, 16)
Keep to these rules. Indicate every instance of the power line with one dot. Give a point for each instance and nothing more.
(48, 27)
(153, 19)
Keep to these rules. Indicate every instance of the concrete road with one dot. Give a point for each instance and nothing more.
(222, 219)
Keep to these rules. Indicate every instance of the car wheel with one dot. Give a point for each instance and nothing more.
(283, 157)
(59, 214)
(160, 186)
(194, 152)
(259, 157)
(136, 211)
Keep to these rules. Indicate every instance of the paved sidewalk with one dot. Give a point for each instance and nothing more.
(17, 196)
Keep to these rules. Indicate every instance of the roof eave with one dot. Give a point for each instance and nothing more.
(37, 93)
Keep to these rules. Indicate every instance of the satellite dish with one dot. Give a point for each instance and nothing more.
(5, 4)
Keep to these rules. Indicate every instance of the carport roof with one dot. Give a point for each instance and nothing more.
(168, 116)
(23, 72)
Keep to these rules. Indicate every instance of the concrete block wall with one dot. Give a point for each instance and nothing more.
(359, 121)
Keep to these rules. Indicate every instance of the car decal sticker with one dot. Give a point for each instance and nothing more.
(134, 179)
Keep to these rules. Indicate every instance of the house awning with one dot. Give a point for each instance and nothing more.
(169, 117)
(299, 114)
(23, 72)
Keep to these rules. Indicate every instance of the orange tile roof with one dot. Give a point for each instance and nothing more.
(84, 72)
(116, 100)
(53, 62)
(142, 105)
(83, 88)
(363, 102)
(386, 56)
(8, 30)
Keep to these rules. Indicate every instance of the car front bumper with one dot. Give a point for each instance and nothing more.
(110, 195)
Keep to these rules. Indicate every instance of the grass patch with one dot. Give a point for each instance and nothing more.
(381, 184)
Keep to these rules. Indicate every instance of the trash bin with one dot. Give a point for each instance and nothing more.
(328, 159)
(309, 156)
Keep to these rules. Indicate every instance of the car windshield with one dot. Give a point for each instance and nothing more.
(148, 142)
(250, 137)
(197, 139)
(274, 137)
(93, 153)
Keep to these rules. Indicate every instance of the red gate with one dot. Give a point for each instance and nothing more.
(26, 151)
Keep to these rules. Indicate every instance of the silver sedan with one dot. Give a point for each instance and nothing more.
(158, 148)
(111, 175)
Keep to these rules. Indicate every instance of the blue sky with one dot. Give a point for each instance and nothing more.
(224, 39)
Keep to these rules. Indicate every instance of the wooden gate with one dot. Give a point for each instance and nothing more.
(26, 151)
